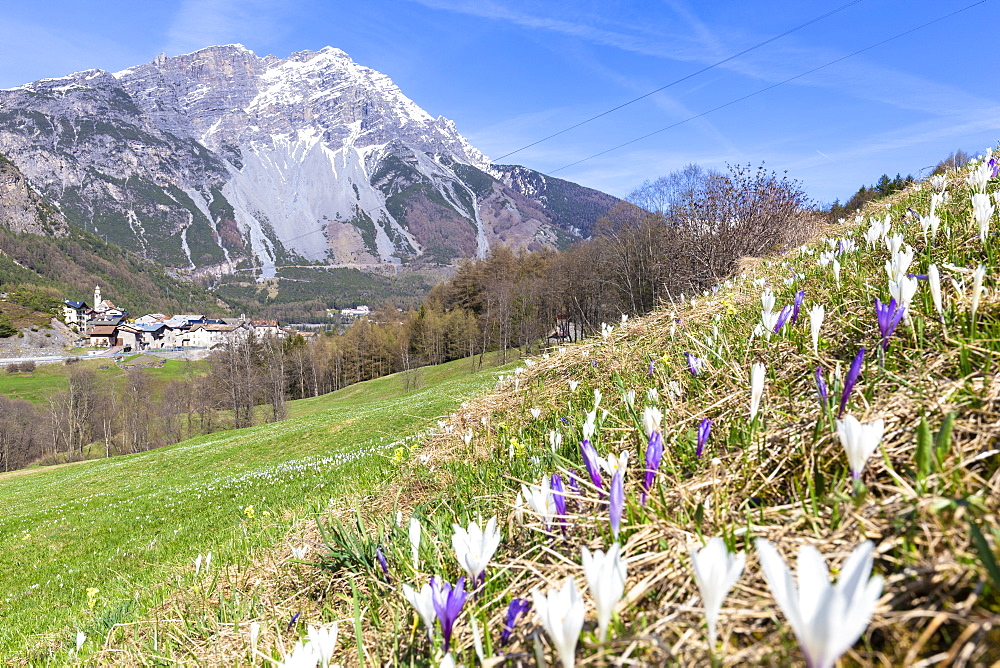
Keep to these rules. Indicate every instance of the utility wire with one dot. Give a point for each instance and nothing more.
(772, 86)
(684, 78)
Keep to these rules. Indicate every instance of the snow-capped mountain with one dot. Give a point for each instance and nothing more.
(222, 159)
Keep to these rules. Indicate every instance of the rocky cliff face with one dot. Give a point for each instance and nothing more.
(22, 209)
(222, 159)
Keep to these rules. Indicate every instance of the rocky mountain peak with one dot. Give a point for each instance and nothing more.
(221, 159)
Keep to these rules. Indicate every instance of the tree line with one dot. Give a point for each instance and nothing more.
(679, 234)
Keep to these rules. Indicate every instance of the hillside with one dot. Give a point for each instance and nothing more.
(775, 469)
(770, 466)
(39, 247)
(231, 493)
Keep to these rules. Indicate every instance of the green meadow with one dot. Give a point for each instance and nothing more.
(89, 545)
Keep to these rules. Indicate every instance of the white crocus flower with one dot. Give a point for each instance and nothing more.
(475, 547)
(300, 552)
(598, 395)
(415, 542)
(938, 182)
(535, 413)
(303, 655)
(930, 224)
(606, 575)
(982, 213)
(613, 464)
(324, 643)
(756, 388)
(539, 499)
(555, 439)
(197, 565)
(254, 636)
(816, 314)
(716, 570)
(979, 177)
(894, 243)
(652, 418)
(519, 509)
(590, 425)
(767, 301)
(467, 437)
(934, 281)
(977, 287)
(860, 441)
(561, 613)
(903, 290)
(827, 620)
(630, 398)
(573, 384)
(937, 199)
(768, 321)
(873, 234)
(653, 395)
(81, 638)
(836, 271)
(423, 602)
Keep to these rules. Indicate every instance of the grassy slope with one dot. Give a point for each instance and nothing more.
(126, 524)
(783, 477)
(48, 379)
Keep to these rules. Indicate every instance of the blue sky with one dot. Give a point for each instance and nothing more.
(509, 72)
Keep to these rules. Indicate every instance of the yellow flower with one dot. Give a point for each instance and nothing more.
(248, 511)
(92, 593)
(518, 446)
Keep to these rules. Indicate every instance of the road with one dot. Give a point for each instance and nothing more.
(111, 353)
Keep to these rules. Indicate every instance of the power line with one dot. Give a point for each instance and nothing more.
(771, 87)
(682, 79)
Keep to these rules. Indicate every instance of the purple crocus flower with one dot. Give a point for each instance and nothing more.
(821, 391)
(654, 454)
(616, 502)
(448, 604)
(517, 607)
(888, 316)
(995, 166)
(652, 369)
(783, 316)
(559, 498)
(382, 562)
(799, 296)
(571, 477)
(564, 419)
(852, 378)
(589, 454)
(704, 429)
(694, 364)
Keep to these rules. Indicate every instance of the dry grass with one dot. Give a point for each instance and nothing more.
(937, 608)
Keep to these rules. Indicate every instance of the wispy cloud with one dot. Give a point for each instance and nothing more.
(201, 23)
(689, 39)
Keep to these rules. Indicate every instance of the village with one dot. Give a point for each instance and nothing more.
(105, 325)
